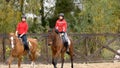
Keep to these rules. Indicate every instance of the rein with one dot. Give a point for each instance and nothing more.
(58, 37)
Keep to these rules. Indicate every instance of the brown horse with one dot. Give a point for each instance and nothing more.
(18, 51)
(58, 48)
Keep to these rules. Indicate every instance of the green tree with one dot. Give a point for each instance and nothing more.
(100, 16)
(10, 14)
(61, 6)
(8, 17)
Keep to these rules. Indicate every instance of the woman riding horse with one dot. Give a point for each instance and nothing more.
(61, 27)
(20, 47)
(56, 39)
(58, 48)
(17, 50)
(21, 31)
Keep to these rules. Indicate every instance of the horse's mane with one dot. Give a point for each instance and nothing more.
(55, 36)
(16, 38)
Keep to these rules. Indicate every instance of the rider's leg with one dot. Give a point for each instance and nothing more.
(66, 41)
(24, 37)
(66, 37)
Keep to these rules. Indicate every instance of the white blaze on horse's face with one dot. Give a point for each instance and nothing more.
(12, 42)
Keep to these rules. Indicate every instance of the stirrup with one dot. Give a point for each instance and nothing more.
(68, 51)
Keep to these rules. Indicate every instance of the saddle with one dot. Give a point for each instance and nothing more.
(65, 39)
(28, 42)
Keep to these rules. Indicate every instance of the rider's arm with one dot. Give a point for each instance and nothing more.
(56, 25)
(17, 29)
(26, 29)
(65, 26)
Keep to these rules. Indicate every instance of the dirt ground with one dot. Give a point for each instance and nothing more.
(67, 65)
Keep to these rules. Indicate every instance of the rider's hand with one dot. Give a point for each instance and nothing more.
(63, 31)
(56, 30)
(62, 34)
(16, 33)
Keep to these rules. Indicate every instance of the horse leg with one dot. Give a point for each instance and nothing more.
(71, 56)
(19, 61)
(62, 62)
(10, 59)
(54, 59)
(71, 61)
(32, 64)
(62, 58)
(33, 59)
(56, 55)
(54, 62)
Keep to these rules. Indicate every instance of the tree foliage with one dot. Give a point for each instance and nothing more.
(100, 16)
(10, 14)
(64, 6)
(8, 17)
(61, 6)
(97, 16)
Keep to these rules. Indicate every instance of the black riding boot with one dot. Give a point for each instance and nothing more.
(67, 47)
(65, 42)
(27, 50)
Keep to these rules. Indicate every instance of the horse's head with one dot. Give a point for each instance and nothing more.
(12, 38)
(52, 35)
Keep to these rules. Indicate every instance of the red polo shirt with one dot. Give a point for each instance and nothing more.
(22, 27)
(61, 25)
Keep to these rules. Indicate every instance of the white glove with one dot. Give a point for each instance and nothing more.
(16, 33)
(62, 34)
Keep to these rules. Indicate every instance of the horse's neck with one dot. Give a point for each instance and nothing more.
(57, 39)
(18, 48)
(18, 41)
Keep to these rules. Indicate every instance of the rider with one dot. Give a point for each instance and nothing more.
(61, 27)
(21, 30)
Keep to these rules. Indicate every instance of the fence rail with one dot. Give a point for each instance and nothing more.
(87, 47)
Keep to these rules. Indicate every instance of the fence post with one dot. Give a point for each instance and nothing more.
(86, 47)
(4, 51)
(47, 57)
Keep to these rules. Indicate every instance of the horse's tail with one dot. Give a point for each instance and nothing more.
(37, 53)
(37, 50)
